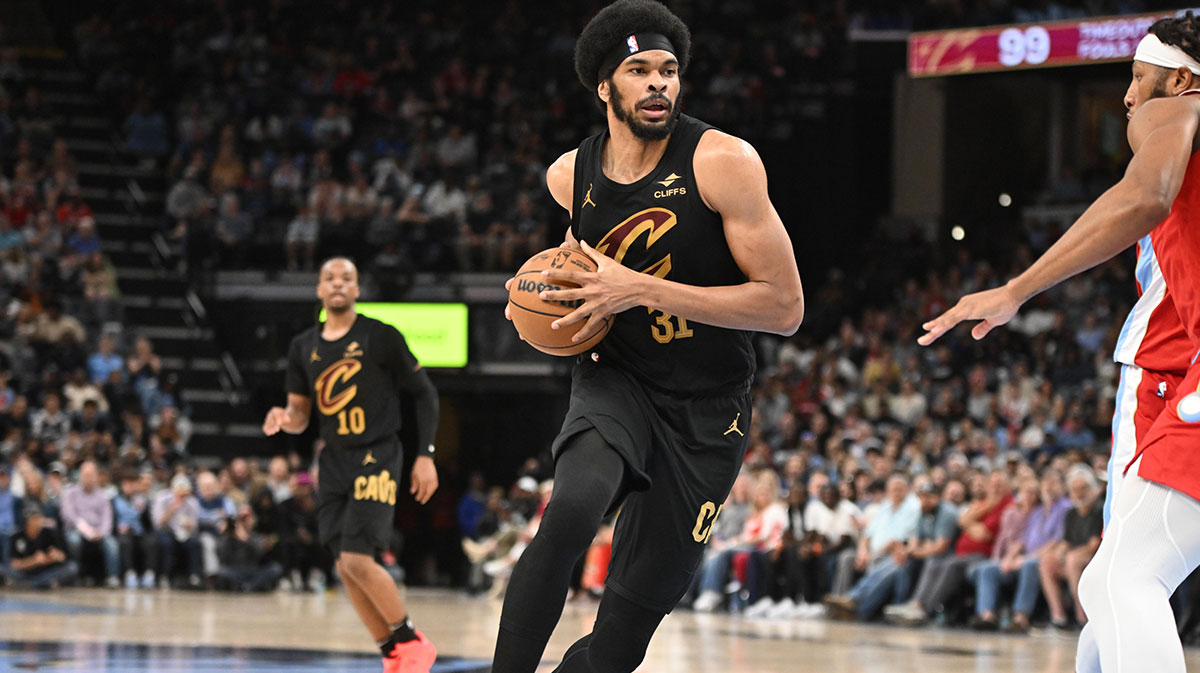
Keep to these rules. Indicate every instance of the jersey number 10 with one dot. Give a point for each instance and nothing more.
(351, 421)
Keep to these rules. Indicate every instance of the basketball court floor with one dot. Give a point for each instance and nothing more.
(182, 632)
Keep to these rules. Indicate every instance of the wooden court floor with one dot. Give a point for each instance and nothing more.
(102, 630)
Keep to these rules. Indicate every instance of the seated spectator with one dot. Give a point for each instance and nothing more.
(50, 423)
(143, 364)
(84, 242)
(36, 554)
(942, 577)
(301, 237)
(472, 505)
(104, 361)
(498, 532)
(78, 390)
(893, 524)
(10, 512)
(216, 510)
(790, 577)
(133, 538)
(145, 131)
(305, 559)
(279, 478)
(834, 521)
(244, 565)
(1021, 563)
(985, 574)
(176, 516)
(100, 289)
(762, 533)
(890, 579)
(1066, 558)
(234, 229)
(87, 517)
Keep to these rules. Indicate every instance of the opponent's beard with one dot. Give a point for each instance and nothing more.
(1160, 86)
(641, 130)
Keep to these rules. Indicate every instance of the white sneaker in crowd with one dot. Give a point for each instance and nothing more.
(707, 601)
(763, 608)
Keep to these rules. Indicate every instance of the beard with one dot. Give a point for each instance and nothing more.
(338, 310)
(643, 130)
(1160, 85)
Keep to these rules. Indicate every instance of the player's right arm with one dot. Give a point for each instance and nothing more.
(292, 419)
(1162, 134)
(560, 180)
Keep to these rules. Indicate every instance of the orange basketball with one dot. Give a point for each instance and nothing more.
(532, 316)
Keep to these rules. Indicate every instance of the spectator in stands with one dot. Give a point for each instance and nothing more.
(10, 512)
(145, 131)
(942, 577)
(472, 505)
(36, 554)
(130, 507)
(10, 238)
(1066, 558)
(84, 242)
(890, 579)
(1021, 563)
(985, 575)
(307, 562)
(176, 515)
(242, 555)
(234, 229)
(279, 478)
(100, 289)
(215, 512)
(50, 423)
(762, 533)
(105, 360)
(143, 363)
(51, 326)
(893, 523)
(87, 517)
(79, 390)
(301, 239)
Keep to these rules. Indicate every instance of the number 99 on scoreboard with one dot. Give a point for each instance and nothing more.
(1044, 45)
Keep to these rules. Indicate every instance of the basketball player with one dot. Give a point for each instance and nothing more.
(691, 257)
(356, 367)
(1150, 545)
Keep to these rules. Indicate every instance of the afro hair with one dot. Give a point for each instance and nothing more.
(1182, 32)
(616, 22)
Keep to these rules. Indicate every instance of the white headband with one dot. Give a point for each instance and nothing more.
(1155, 52)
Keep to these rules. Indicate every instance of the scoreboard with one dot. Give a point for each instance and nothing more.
(1032, 45)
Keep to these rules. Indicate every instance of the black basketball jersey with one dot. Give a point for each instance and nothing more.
(659, 225)
(354, 382)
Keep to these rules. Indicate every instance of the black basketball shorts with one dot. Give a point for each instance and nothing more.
(356, 496)
(684, 454)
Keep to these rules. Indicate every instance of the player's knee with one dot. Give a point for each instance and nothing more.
(354, 566)
(571, 521)
(1092, 592)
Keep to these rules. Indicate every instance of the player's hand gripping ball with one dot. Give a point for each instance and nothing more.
(532, 316)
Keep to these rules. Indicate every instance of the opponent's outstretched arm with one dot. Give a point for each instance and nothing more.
(732, 182)
(1162, 134)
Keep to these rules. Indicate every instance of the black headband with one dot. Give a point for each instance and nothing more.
(629, 46)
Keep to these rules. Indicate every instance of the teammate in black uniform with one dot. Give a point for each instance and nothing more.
(355, 367)
(692, 256)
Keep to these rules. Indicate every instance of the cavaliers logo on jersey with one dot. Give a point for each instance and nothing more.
(653, 222)
(337, 373)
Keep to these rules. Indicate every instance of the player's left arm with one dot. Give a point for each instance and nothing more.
(732, 182)
(414, 380)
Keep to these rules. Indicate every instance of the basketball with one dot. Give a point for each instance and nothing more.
(532, 316)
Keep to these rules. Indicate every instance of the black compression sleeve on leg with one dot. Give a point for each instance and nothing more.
(618, 641)
(588, 477)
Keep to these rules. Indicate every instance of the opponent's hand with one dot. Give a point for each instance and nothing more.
(610, 289)
(993, 307)
(276, 419)
(424, 479)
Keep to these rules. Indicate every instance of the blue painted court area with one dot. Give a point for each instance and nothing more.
(63, 657)
(9, 604)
